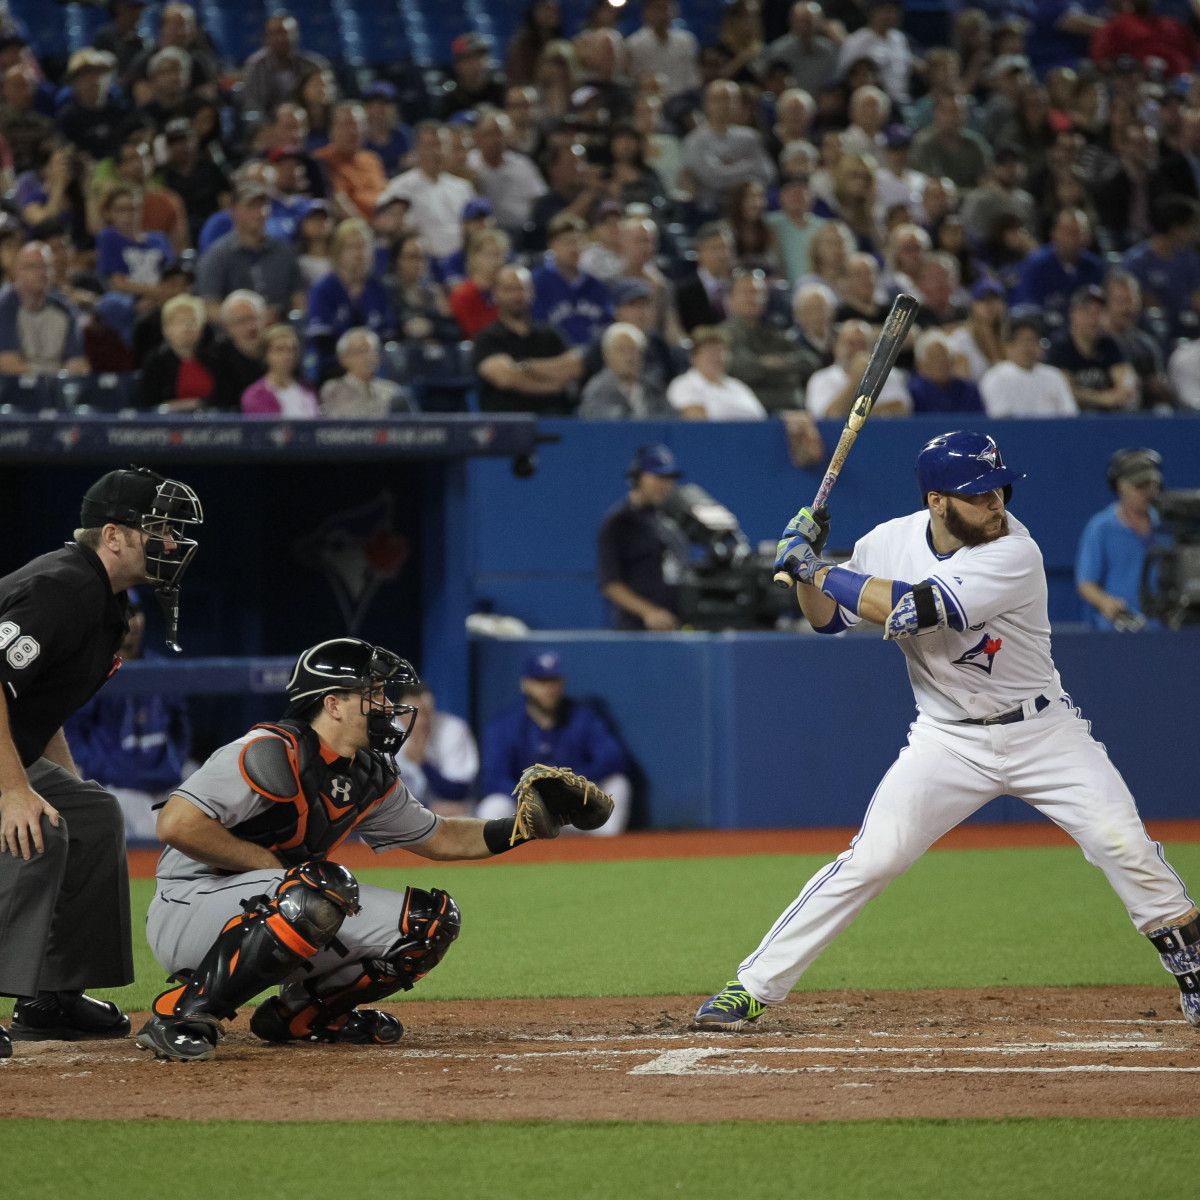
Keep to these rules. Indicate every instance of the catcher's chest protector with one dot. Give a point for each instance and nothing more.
(316, 801)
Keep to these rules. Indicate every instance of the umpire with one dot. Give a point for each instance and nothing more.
(64, 888)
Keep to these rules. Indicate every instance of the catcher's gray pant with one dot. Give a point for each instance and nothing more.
(64, 914)
(186, 916)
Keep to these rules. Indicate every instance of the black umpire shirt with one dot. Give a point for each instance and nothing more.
(647, 552)
(60, 627)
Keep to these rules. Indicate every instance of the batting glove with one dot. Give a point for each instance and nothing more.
(812, 525)
(796, 557)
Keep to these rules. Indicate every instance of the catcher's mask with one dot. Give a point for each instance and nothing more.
(162, 509)
(379, 677)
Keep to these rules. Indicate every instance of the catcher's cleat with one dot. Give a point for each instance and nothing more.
(273, 1021)
(67, 1017)
(730, 1009)
(193, 1040)
(5, 1043)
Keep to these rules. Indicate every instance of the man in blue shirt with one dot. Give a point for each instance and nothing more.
(1112, 550)
(1051, 275)
(575, 303)
(1166, 264)
(549, 727)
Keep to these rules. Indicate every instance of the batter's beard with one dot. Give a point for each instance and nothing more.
(970, 535)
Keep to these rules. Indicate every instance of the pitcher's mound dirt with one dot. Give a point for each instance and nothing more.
(1090, 1052)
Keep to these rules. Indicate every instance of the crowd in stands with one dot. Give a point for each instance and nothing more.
(619, 223)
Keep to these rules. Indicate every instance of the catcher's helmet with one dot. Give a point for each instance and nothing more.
(963, 464)
(352, 665)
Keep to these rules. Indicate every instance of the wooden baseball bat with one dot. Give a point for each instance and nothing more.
(879, 366)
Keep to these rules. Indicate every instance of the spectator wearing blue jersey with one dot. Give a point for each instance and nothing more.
(349, 297)
(575, 303)
(1167, 264)
(1051, 275)
(129, 260)
(1112, 550)
(550, 727)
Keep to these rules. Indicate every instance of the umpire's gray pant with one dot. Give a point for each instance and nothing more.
(64, 914)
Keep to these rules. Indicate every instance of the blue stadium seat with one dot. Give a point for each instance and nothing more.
(27, 394)
(438, 373)
(107, 393)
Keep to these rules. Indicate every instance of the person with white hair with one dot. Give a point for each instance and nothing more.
(620, 391)
(933, 385)
(814, 306)
(361, 392)
(236, 355)
(869, 111)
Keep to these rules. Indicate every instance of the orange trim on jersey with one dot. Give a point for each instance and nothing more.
(327, 755)
(289, 937)
(370, 808)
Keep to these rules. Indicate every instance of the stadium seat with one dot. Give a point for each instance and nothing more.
(27, 394)
(107, 393)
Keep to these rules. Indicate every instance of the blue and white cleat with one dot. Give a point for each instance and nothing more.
(731, 1009)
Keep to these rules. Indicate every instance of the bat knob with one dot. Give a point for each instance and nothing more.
(781, 579)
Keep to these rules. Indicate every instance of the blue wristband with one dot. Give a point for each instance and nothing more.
(845, 587)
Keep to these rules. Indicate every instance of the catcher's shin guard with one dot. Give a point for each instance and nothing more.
(268, 941)
(1179, 948)
(429, 922)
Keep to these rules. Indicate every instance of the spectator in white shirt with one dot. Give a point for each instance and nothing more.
(880, 41)
(707, 392)
(1024, 386)
(439, 759)
(507, 178)
(832, 390)
(657, 49)
(1184, 372)
(435, 197)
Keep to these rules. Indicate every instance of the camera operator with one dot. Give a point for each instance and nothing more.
(1112, 550)
(642, 553)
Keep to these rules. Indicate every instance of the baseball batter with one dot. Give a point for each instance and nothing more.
(960, 587)
(247, 899)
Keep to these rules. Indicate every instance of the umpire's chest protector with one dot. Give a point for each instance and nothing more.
(316, 799)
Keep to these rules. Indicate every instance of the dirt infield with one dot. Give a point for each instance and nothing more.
(1095, 1052)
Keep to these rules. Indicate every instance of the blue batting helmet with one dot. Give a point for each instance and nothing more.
(963, 464)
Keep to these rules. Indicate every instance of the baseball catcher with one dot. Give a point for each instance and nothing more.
(247, 899)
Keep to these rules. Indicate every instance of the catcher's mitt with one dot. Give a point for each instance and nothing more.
(550, 797)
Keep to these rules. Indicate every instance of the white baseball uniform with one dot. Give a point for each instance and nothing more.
(998, 663)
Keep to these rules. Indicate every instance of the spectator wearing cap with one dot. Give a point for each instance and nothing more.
(1052, 274)
(978, 343)
(436, 198)
(292, 190)
(706, 391)
(504, 176)
(881, 41)
(661, 49)
(1101, 380)
(634, 304)
(621, 391)
(355, 174)
(1166, 263)
(478, 215)
(1022, 385)
(39, 333)
(360, 391)
(810, 55)
(947, 148)
(548, 726)
(641, 553)
(1122, 322)
(566, 297)
(128, 260)
(933, 385)
(274, 73)
(767, 360)
(194, 177)
(1146, 36)
(832, 391)
(247, 258)
(472, 83)
(1111, 556)
(91, 116)
(349, 297)
(999, 194)
(721, 154)
(386, 135)
(523, 366)
(120, 37)
(702, 299)
(177, 376)
(312, 241)
(898, 185)
(1006, 76)
(471, 300)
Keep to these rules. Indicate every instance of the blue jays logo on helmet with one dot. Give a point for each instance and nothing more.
(963, 464)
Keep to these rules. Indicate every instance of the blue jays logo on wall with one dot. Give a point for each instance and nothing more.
(981, 654)
(357, 550)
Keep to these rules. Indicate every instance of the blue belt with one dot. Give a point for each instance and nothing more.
(1010, 718)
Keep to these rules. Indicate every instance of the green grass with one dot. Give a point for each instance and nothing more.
(957, 919)
(886, 1160)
